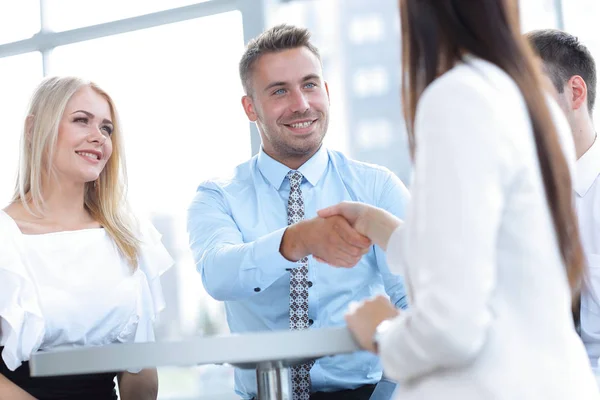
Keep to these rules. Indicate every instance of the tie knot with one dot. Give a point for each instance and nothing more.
(295, 177)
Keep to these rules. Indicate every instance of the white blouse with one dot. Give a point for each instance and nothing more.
(489, 315)
(74, 289)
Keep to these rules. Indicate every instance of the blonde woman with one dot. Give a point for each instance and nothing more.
(75, 267)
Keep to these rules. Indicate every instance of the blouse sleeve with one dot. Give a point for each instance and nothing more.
(154, 260)
(450, 233)
(21, 320)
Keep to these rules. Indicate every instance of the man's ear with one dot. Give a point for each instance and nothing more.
(579, 92)
(248, 104)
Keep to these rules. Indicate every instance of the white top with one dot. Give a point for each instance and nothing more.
(74, 289)
(490, 313)
(587, 188)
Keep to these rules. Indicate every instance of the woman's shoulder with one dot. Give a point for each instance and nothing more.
(10, 230)
(474, 80)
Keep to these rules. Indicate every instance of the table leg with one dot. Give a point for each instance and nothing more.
(273, 381)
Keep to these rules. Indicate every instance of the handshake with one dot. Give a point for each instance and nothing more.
(340, 235)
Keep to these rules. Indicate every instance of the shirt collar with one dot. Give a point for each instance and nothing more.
(275, 172)
(588, 169)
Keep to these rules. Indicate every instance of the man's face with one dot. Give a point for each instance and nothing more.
(289, 102)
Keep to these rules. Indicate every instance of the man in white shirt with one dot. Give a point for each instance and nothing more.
(572, 70)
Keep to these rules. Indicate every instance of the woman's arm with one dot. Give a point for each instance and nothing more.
(140, 386)
(9, 390)
(462, 164)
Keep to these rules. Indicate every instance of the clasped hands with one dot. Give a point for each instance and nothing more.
(340, 236)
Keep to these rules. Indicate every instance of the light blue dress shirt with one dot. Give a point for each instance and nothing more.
(235, 227)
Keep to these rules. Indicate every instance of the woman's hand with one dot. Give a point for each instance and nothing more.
(357, 214)
(372, 222)
(363, 320)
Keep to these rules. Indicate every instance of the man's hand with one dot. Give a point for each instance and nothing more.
(332, 240)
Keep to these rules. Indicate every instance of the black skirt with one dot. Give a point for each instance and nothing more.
(69, 387)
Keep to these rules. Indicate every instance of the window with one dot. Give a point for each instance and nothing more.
(27, 12)
(71, 14)
(371, 81)
(581, 20)
(178, 93)
(375, 133)
(18, 76)
(538, 14)
(369, 28)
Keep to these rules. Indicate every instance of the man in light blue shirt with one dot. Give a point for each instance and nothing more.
(238, 227)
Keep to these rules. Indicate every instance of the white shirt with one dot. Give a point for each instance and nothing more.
(490, 310)
(587, 188)
(74, 289)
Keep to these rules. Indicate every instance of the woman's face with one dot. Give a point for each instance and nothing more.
(84, 137)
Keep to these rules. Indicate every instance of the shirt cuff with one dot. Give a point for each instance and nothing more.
(388, 349)
(267, 256)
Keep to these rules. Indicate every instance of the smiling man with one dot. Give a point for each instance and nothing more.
(256, 238)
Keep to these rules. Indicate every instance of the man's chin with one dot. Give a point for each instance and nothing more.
(306, 149)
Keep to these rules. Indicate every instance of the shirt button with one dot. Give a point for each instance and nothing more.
(310, 322)
(309, 284)
(257, 289)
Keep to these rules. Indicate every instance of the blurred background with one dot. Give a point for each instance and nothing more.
(171, 67)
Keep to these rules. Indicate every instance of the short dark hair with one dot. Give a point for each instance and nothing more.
(278, 38)
(564, 57)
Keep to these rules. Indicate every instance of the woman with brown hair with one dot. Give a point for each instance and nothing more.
(490, 250)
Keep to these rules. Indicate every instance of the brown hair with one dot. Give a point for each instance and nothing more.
(279, 38)
(435, 36)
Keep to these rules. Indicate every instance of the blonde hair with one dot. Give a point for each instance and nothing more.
(105, 198)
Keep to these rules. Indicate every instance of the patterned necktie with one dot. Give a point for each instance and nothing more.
(298, 290)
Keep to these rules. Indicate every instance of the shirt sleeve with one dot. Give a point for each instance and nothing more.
(230, 268)
(394, 198)
(154, 260)
(22, 324)
(451, 234)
